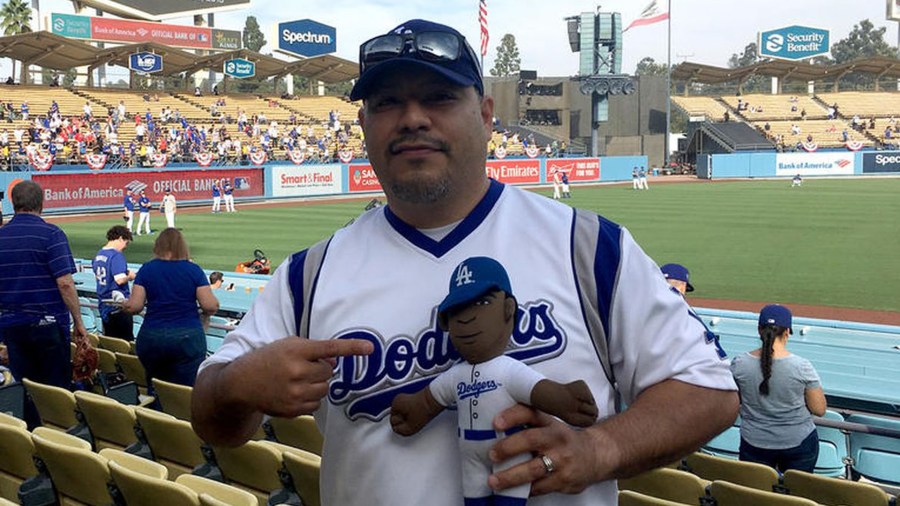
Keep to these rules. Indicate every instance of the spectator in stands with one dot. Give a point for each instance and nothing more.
(809, 138)
(172, 343)
(726, 117)
(197, 92)
(779, 394)
(678, 277)
(795, 129)
(37, 295)
(831, 112)
(767, 127)
(845, 136)
(215, 280)
(10, 80)
(112, 273)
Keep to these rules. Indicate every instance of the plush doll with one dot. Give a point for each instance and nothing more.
(479, 313)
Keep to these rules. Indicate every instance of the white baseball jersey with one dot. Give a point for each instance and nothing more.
(381, 280)
(480, 392)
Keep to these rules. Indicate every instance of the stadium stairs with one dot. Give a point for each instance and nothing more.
(732, 136)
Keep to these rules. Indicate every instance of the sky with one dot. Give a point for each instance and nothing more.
(703, 31)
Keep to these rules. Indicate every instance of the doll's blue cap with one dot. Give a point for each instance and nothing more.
(473, 278)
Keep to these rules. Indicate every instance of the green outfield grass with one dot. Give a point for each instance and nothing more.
(831, 242)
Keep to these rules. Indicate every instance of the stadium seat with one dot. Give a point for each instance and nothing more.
(78, 474)
(833, 491)
(631, 498)
(253, 467)
(140, 489)
(111, 423)
(730, 494)
(175, 399)
(300, 432)
(4, 502)
(749, 474)
(832, 448)
(669, 484)
(875, 457)
(133, 369)
(56, 406)
(17, 450)
(173, 442)
(133, 462)
(115, 345)
(304, 468)
(214, 493)
(107, 362)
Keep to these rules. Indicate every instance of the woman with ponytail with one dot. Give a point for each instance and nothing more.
(779, 394)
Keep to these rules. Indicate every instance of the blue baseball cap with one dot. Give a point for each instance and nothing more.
(775, 314)
(473, 278)
(464, 70)
(678, 272)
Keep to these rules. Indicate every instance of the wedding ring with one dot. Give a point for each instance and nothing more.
(548, 464)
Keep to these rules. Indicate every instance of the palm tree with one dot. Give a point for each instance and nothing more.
(15, 18)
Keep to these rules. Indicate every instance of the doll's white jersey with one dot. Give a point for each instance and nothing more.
(381, 280)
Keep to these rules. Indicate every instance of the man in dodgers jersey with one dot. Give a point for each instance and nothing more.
(111, 271)
(366, 311)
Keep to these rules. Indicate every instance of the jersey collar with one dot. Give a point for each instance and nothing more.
(465, 227)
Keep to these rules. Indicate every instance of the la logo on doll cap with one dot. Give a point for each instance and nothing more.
(473, 278)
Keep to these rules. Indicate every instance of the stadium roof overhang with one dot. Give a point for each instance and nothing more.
(786, 70)
(47, 50)
(326, 68)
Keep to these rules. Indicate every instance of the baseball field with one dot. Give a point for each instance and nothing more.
(832, 242)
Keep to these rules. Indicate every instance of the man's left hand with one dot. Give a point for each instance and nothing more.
(573, 453)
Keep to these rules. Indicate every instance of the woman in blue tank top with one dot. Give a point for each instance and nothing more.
(172, 342)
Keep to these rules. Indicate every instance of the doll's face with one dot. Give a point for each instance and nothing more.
(480, 330)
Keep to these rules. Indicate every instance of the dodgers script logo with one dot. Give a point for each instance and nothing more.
(475, 389)
(366, 385)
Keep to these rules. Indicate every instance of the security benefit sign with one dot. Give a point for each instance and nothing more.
(145, 63)
(882, 161)
(239, 68)
(306, 38)
(793, 43)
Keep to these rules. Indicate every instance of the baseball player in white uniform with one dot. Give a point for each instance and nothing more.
(228, 190)
(169, 207)
(556, 183)
(479, 312)
(365, 303)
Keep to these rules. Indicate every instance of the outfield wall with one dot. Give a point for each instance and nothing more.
(822, 163)
(73, 190)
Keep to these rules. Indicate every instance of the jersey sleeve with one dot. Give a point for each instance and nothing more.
(521, 381)
(117, 266)
(442, 388)
(653, 335)
(270, 318)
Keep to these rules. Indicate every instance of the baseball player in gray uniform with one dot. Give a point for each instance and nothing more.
(479, 312)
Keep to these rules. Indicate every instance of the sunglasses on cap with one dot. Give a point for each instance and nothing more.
(430, 46)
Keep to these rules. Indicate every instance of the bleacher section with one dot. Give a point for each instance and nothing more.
(708, 107)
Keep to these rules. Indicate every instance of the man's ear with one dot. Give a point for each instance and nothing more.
(509, 307)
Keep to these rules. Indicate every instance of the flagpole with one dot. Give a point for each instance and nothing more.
(668, 86)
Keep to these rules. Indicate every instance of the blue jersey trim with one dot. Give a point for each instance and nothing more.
(606, 267)
(465, 227)
(295, 281)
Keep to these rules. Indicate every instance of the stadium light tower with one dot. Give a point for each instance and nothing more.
(597, 36)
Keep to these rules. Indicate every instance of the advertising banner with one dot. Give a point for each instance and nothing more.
(578, 169)
(306, 38)
(145, 62)
(519, 171)
(793, 43)
(814, 164)
(104, 188)
(363, 179)
(121, 30)
(239, 68)
(883, 161)
(306, 180)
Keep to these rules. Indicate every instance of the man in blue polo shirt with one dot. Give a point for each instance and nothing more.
(111, 271)
(37, 295)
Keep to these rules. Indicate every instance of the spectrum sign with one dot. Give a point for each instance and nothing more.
(121, 30)
(793, 43)
(306, 38)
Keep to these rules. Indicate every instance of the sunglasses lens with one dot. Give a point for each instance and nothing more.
(437, 46)
(382, 48)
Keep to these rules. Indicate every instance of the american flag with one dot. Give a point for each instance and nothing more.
(482, 20)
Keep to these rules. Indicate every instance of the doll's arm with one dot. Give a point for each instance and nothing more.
(573, 402)
(411, 412)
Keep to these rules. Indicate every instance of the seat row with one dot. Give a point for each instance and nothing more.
(261, 468)
(700, 477)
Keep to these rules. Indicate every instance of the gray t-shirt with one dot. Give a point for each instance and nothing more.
(781, 419)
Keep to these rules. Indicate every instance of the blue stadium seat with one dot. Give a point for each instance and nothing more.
(875, 457)
(832, 448)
